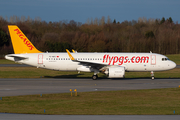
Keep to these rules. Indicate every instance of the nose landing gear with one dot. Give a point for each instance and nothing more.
(152, 75)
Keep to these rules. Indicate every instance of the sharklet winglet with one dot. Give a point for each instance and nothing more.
(70, 56)
(73, 51)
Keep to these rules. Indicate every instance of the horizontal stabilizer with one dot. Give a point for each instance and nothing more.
(16, 58)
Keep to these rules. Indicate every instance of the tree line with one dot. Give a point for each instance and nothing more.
(96, 35)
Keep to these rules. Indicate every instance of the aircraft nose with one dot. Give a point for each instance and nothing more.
(173, 64)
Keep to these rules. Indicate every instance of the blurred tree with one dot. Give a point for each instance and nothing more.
(114, 21)
(149, 34)
(4, 40)
(140, 35)
(170, 20)
(109, 20)
(162, 20)
(102, 21)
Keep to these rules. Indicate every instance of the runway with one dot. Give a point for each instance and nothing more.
(87, 117)
(15, 87)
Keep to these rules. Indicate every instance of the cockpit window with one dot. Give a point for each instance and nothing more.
(165, 59)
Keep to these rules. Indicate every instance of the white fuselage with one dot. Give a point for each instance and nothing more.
(130, 61)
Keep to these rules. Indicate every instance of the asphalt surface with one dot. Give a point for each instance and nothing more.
(87, 117)
(15, 87)
(14, 65)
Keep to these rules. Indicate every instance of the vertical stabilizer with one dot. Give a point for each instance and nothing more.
(21, 43)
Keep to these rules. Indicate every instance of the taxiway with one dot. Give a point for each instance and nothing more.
(15, 87)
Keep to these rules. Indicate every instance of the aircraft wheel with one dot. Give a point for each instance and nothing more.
(94, 77)
(152, 75)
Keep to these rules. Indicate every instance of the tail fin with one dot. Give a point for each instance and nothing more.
(21, 43)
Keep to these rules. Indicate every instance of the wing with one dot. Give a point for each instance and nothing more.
(98, 66)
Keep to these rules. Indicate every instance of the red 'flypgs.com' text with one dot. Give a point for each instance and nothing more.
(124, 59)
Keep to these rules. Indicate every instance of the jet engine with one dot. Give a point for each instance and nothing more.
(115, 72)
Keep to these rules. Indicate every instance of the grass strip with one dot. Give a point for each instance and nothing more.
(126, 102)
(175, 58)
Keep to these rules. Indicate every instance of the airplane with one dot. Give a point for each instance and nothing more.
(114, 65)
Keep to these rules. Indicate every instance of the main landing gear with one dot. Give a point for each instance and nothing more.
(152, 75)
(94, 77)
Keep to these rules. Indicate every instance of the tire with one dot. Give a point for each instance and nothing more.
(94, 77)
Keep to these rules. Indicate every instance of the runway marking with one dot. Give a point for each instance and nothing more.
(6, 89)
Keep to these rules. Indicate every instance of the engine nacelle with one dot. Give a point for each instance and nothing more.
(116, 72)
(84, 69)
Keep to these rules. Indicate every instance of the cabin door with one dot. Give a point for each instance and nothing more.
(153, 59)
(40, 59)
